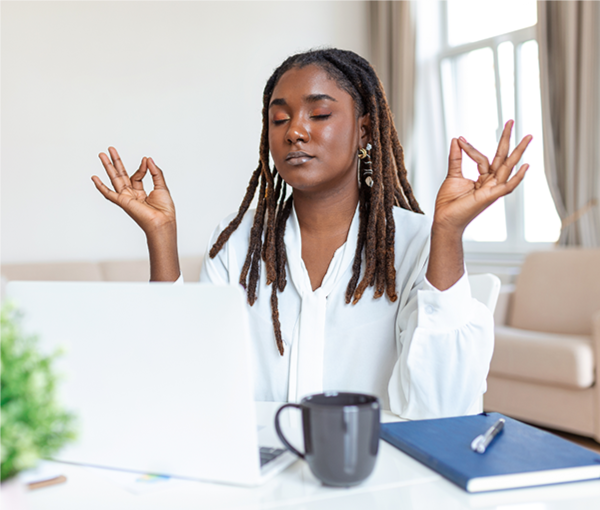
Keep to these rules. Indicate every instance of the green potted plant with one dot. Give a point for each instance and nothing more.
(33, 426)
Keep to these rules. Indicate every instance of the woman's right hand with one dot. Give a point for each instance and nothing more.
(153, 212)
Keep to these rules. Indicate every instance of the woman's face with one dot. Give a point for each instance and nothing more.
(314, 133)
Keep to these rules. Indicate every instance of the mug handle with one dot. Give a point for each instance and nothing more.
(280, 433)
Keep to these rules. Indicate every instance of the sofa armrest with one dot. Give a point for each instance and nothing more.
(596, 338)
(503, 305)
(596, 347)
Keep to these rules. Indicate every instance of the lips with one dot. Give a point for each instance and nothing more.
(298, 158)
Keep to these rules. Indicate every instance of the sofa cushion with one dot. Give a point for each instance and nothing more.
(133, 270)
(557, 292)
(125, 270)
(564, 360)
(53, 271)
(190, 268)
(138, 270)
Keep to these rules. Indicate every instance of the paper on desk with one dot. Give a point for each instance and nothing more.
(42, 472)
(138, 483)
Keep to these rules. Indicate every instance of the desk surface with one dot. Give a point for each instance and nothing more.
(397, 482)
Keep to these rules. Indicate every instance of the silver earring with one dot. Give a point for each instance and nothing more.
(364, 161)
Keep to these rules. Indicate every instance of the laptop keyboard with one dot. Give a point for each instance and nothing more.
(269, 454)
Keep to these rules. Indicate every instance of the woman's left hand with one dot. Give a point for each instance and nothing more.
(460, 200)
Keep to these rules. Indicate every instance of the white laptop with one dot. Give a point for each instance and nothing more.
(159, 376)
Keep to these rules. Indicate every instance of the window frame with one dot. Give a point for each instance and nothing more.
(515, 244)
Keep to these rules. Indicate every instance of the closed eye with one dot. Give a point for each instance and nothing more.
(321, 117)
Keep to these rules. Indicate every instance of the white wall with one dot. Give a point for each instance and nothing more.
(179, 81)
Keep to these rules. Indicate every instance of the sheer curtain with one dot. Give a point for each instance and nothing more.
(569, 47)
(405, 58)
(430, 151)
(393, 57)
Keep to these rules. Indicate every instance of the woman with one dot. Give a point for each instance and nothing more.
(379, 301)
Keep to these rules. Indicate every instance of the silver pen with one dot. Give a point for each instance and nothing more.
(481, 442)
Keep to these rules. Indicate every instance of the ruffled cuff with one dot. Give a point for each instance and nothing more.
(448, 309)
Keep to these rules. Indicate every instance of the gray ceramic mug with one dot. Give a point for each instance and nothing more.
(341, 436)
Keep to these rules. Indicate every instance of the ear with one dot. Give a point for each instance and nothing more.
(364, 126)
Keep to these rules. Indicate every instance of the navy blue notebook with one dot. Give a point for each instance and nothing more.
(520, 456)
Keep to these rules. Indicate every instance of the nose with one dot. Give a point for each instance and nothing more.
(297, 131)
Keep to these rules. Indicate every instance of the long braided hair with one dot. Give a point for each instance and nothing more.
(390, 188)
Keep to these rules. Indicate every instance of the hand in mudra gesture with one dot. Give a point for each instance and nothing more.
(151, 211)
(459, 199)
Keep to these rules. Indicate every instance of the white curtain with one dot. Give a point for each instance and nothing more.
(405, 41)
(569, 47)
(430, 149)
(392, 33)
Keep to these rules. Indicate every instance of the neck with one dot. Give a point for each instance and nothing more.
(325, 215)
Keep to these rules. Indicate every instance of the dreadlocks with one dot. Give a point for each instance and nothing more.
(376, 234)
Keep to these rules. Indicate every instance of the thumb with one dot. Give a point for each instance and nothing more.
(455, 159)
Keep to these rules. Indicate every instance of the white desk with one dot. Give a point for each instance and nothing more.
(398, 482)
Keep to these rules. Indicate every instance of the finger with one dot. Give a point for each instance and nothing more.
(503, 146)
(158, 179)
(119, 167)
(108, 166)
(500, 190)
(483, 164)
(506, 168)
(138, 176)
(134, 208)
(118, 181)
(516, 179)
(116, 161)
(455, 159)
(108, 193)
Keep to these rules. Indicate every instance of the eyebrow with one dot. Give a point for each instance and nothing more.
(311, 98)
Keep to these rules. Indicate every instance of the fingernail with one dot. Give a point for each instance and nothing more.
(462, 139)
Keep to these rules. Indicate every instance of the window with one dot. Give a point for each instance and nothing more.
(489, 74)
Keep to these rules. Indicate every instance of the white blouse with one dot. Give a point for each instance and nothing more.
(426, 355)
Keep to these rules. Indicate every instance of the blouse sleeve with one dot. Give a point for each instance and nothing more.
(445, 341)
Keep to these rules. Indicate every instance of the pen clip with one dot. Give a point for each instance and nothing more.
(481, 442)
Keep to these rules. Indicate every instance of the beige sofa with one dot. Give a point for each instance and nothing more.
(544, 368)
(111, 271)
